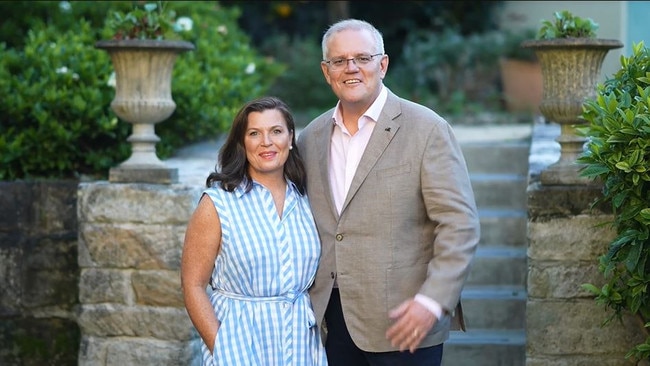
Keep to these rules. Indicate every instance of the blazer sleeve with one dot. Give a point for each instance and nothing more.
(449, 202)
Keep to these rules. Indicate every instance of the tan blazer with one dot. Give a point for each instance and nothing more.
(408, 225)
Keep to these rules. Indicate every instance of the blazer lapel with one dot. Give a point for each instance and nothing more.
(323, 139)
(384, 131)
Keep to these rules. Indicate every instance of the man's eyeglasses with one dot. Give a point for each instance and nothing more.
(360, 61)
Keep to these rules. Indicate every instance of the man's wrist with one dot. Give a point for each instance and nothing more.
(430, 304)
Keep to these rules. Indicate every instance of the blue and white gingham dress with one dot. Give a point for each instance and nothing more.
(260, 281)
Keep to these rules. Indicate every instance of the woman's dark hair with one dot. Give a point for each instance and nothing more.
(232, 167)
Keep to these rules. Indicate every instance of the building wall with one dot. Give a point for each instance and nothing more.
(637, 24)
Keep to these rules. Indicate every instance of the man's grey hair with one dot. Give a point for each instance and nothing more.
(352, 24)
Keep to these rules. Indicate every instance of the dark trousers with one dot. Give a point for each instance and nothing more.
(341, 350)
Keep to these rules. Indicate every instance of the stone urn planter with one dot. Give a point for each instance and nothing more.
(570, 71)
(143, 70)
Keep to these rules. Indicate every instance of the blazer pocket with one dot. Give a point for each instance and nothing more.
(395, 170)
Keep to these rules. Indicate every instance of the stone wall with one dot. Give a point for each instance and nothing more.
(38, 273)
(130, 242)
(563, 321)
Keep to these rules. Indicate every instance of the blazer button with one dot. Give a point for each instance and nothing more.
(339, 237)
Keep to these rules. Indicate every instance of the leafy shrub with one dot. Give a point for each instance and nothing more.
(302, 84)
(512, 46)
(448, 71)
(56, 121)
(618, 154)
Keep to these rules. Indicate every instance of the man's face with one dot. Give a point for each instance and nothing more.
(352, 82)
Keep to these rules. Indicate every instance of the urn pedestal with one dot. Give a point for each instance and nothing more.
(570, 72)
(143, 71)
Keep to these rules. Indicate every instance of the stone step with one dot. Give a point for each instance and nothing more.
(494, 297)
(498, 265)
(499, 190)
(502, 226)
(497, 157)
(485, 347)
(494, 307)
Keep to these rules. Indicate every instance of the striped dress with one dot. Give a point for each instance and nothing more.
(260, 281)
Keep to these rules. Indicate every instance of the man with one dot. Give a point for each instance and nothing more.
(395, 211)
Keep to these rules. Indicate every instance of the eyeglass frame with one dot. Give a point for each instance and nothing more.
(353, 59)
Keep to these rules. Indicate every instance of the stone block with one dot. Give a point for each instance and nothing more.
(109, 320)
(101, 285)
(158, 288)
(136, 203)
(57, 207)
(53, 252)
(47, 287)
(15, 206)
(576, 238)
(11, 282)
(562, 279)
(108, 352)
(582, 360)
(574, 328)
(563, 200)
(126, 245)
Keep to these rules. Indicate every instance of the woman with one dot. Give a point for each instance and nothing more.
(252, 238)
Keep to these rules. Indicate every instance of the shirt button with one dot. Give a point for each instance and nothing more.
(332, 274)
(339, 237)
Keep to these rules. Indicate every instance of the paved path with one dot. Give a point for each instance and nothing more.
(195, 162)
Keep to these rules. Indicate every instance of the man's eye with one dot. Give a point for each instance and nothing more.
(338, 62)
(364, 59)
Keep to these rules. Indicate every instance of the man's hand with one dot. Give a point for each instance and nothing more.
(412, 322)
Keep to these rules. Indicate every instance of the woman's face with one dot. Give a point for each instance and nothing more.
(267, 142)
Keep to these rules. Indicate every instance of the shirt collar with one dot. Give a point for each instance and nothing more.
(372, 112)
(241, 188)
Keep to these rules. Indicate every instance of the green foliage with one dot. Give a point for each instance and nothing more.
(567, 25)
(449, 72)
(302, 84)
(151, 21)
(55, 109)
(512, 45)
(56, 120)
(21, 16)
(618, 154)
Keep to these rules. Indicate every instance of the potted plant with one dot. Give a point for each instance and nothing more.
(521, 73)
(143, 51)
(571, 58)
(617, 154)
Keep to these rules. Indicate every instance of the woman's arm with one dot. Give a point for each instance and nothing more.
(201, 246)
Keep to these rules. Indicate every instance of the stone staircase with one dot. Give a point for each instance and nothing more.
(494, 298)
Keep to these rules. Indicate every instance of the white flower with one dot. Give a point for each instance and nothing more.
(62, 70)
(250, 68)
(65, 6)
(112, 81)
(183, 24)
(222, 29)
